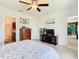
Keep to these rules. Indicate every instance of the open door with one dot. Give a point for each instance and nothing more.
(72, 32)
(9, 29)
(72, 29)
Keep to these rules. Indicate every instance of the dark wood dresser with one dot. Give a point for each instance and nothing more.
(49, 39)
(47, 35)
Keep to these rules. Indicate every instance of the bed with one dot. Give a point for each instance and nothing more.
(28, 49)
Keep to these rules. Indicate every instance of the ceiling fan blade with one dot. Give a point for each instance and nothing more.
(29, 8)
(43, 4)
(38, 9)
(24, 2)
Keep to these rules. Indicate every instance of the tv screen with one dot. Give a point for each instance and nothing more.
(50, 31)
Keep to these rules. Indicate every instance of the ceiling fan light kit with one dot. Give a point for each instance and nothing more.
(34, 5)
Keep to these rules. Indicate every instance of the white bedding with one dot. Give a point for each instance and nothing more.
(28, 49)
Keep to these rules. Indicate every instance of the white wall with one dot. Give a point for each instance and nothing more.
(60, 23)
(17, 15)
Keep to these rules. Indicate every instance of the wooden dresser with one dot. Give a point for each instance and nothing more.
(25, 33)
(49, 39)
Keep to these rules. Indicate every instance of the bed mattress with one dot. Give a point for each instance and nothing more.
(28, 49)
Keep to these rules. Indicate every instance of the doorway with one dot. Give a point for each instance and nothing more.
(72, 32)
(9, 29)
(72, 29)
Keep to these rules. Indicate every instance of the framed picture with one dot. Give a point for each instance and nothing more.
(24, 21)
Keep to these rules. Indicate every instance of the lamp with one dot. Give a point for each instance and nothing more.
(34, 4)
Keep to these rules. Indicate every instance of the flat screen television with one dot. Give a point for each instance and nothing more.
(50, 31)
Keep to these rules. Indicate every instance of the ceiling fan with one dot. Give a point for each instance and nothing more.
(34, 4)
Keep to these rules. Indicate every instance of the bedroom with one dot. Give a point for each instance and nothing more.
(56, 11)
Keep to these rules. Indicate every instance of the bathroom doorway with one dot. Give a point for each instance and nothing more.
(9, 29)
(72, 32)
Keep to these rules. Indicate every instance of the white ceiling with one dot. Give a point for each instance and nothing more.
(54, 5)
